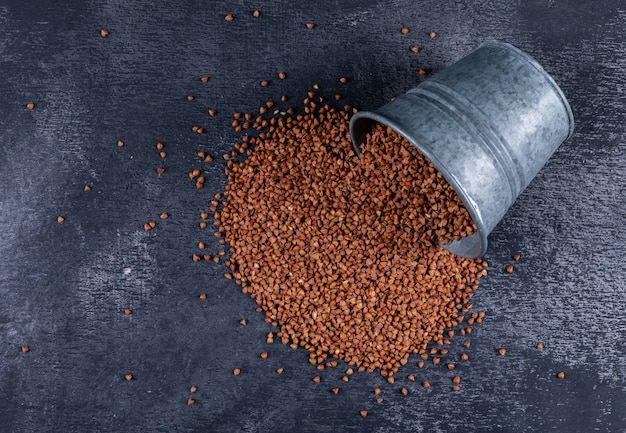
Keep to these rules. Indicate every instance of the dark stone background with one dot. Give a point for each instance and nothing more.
(63, 286)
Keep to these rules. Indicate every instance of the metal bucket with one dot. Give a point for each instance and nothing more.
(488, 123)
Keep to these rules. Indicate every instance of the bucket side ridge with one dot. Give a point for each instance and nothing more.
(478, 126)
(516, 99)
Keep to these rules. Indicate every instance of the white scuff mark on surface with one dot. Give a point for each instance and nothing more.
(101, 287)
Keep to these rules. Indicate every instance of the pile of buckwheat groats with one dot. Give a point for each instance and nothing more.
(340, 250)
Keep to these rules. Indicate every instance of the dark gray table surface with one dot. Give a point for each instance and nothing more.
(63, 287)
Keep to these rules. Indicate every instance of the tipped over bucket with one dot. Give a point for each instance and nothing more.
(488, 123)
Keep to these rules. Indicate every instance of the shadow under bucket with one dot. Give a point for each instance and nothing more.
(488, 123)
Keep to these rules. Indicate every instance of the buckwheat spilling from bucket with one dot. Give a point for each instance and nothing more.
(342, 250)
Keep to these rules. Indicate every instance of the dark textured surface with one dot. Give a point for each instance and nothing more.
(63, 287)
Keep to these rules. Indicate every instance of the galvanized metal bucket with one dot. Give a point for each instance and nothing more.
(489, 123)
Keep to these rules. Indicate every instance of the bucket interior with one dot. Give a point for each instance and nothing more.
(470, 247)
